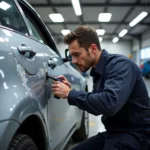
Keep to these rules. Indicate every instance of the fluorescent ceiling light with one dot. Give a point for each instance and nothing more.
(65, 31)
(141, 16)
(100, 39)
(76, 7)
(4, 5)
(56, 17)
(123, 32)
(100, 31)
(104, 17)
(115, 40)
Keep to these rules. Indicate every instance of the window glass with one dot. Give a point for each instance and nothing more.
(10, 16)
(145, 53)
(35, 29)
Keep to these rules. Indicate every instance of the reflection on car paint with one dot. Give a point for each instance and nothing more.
(5, 86)
(2, 74)
(7, 33)
(2, 39)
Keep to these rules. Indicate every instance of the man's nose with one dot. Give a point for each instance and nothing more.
(74, 61)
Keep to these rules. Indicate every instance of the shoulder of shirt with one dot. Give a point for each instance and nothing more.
(112, 59)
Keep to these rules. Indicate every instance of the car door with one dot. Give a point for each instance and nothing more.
(60, 117)
(28, 51)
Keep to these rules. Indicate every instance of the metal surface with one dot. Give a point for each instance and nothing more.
(25, 90)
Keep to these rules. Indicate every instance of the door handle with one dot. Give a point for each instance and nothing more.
(26, 50)
(52, 62)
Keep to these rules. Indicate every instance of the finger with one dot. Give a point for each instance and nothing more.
(55, 90)
(55, 85)
(56, 93)
(67, 83)
(54, 82)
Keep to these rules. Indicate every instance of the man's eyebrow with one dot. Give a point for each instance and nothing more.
(75, 53)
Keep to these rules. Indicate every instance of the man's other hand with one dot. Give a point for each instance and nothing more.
(61, 89)
(64, 80)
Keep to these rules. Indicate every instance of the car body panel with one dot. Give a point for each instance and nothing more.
(7, 127)
(26, 90)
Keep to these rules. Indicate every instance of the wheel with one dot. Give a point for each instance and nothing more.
(22, 142)
(82, 133)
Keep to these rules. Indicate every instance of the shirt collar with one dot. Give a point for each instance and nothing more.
(99, 69)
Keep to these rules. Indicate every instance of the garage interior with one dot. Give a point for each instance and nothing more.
(121, 34)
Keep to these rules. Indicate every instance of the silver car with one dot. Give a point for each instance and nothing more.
(31, 117)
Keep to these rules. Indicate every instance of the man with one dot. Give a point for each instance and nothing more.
(119, 94)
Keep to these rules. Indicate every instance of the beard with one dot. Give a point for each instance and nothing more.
(84, 68)
(87, 64)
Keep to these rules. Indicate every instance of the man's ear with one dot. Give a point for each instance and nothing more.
(93, 48)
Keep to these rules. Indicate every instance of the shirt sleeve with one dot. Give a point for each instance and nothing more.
(119, 82)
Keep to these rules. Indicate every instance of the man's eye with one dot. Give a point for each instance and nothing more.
(76, 55)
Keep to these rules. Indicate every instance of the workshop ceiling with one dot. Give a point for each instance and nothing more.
(123, 12)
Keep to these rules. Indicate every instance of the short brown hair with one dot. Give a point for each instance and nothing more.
(85, 36)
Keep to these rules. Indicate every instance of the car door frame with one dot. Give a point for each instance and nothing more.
(44, 29)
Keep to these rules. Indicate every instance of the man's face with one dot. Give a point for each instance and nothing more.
(82, 58)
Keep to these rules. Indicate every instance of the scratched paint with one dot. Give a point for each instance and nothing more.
(22, 74)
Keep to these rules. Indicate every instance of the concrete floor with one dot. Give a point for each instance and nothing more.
(95, 121)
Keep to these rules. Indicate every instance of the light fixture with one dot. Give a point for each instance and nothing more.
(141, 16)
(76, 7)
(100, 31)
(104, 17)
(123, 32)
(115, 40)
(100, 39)
(56, 17)
(65, 31)
(4, 5)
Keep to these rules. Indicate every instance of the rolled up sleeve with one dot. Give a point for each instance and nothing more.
(120, 78)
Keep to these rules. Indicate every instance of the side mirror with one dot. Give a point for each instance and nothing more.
(67, 56)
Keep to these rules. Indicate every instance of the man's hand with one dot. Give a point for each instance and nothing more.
(64, 80)
(61, 89)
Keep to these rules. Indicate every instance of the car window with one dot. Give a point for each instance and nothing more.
(39, 31)
(35, 29)
(10, 16)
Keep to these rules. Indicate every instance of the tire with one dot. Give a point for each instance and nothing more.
(22, 142)
(82, 133)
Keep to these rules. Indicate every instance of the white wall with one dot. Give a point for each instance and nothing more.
(61, 48)
(146, 39)
(136, 52)
(122, 47)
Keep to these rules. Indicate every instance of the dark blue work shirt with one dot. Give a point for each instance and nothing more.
(119, 94)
